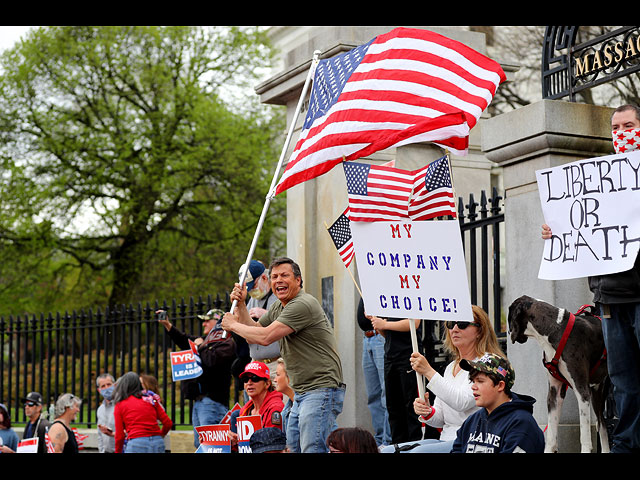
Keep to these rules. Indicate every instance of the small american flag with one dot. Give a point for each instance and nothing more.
(379, 193)
(340, 233)
(406, 86)
(80, 438)
(49, 443)
(433, 192)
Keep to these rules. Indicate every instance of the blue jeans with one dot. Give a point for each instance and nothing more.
(622, 341)
(154, 444)
(373, 367)
(285, 414)
(428, 445)
(206, 412)
(312, 418)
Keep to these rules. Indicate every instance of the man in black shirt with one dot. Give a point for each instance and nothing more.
(37, 424)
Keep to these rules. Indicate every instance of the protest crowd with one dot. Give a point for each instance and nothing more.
(278, 341)
(294, 407)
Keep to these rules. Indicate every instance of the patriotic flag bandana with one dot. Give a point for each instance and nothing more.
(626, 140)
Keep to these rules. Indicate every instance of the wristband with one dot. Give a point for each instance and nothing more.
(424, 419)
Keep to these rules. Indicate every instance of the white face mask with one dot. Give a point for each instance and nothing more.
(626, 140)
(258, 292)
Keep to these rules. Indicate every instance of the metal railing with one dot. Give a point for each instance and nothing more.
(59, 353)
(482, 240)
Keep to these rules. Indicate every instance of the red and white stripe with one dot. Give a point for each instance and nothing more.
(346, 253)
(425, 205)
(389, 191)
(411, 86)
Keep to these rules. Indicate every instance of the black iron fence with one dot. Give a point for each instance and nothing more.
(482, 240)
(480, 224)
(60, 353)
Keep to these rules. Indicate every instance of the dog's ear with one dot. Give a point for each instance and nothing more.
(517, 308)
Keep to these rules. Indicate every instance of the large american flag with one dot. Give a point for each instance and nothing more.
(340, 232)
(378, 193)
(409, 85)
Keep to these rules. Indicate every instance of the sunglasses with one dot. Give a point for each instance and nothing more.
(461, 325)
(30, 404)
(253, 378)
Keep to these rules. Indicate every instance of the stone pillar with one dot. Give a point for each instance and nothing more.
(541, 135)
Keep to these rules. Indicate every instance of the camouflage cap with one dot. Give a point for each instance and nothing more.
(492, 364)
(213, 314)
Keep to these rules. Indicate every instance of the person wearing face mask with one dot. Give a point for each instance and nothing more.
(105, 420)
(260, 299)
(617, 295)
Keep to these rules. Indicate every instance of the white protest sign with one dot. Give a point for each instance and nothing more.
(412, 269)
(28, 446)
(593, 209)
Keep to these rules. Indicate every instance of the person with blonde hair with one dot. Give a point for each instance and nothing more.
(281, 382)
(463, 340)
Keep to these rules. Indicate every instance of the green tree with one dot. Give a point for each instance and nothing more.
(123, 168)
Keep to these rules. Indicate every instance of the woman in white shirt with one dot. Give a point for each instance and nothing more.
(454, 399)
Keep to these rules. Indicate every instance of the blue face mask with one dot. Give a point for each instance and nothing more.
(107, 393)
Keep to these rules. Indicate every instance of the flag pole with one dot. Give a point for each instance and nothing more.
(414, 342)
(274, 182)
(412, 325)
(453, 188)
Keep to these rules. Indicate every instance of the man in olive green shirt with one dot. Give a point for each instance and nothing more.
(308, 347)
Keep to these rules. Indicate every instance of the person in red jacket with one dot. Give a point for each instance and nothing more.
(264, 400)
(136, 416)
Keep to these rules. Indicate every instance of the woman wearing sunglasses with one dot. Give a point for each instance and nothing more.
(264, 400)
(454, 399)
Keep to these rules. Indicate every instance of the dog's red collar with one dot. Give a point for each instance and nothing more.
(552, 366)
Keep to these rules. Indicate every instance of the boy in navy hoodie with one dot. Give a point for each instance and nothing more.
(505, 424)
